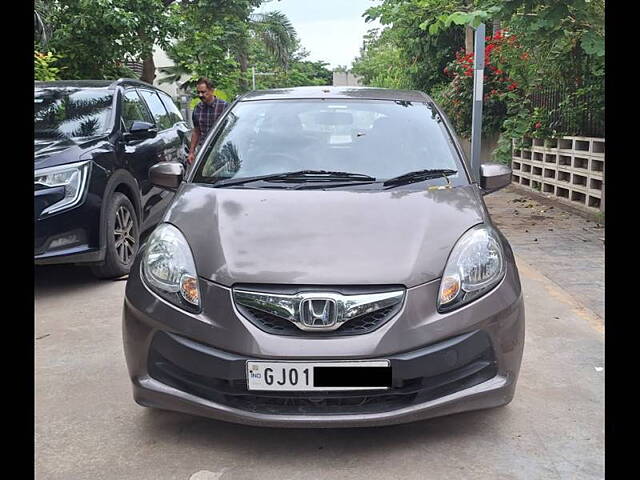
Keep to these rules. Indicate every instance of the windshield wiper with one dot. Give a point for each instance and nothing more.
(300, 175)
(419, 176)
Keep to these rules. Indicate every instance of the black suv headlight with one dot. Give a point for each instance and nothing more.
(72, 177)
(475, 266)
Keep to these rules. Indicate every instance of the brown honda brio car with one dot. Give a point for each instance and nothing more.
(328, 261)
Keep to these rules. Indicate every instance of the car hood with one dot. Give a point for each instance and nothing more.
(54, 152)
(311, 237)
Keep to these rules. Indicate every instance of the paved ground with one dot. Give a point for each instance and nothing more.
(565, 247)
(88, 427)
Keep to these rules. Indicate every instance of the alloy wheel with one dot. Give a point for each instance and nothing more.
(125, 241)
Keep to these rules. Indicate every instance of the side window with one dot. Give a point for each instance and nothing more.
(133, 110)
(163, 120)
(174, 112)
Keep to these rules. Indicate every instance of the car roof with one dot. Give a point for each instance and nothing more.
(368, 93)
(124, 82)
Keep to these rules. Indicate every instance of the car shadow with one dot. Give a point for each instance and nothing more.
(310, 442)
(61, 279)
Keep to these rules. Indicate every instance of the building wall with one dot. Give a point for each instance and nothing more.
(487, 146)
(161, 60)
(346, 79)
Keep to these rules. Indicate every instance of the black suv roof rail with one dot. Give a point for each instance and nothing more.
(121, 82)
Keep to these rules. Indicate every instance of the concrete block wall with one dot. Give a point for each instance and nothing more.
(568, 168)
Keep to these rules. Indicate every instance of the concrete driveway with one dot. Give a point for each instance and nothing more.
(88, 427)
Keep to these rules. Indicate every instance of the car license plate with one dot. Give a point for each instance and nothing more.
(309, 376)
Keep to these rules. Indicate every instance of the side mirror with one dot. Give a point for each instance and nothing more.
(166, 175)
(140, 131)
(494, 176)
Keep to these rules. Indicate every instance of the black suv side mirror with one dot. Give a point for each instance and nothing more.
(494, 176)
(167, 175)
(140, 131)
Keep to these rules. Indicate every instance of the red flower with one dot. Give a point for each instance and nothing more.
(513, 86)
(538, 125)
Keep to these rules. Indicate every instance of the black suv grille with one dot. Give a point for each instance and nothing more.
(356, 326)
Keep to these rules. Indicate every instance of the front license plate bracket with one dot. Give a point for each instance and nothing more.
(314, 376)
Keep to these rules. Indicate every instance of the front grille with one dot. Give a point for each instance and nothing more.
(478, 365)
(356, 326)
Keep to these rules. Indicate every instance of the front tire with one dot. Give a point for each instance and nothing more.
(123, 238)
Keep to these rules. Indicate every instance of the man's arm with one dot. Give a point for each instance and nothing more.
(195, 137)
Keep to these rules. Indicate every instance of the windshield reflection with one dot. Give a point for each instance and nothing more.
(71, 113)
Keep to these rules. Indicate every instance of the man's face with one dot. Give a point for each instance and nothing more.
(204, 93)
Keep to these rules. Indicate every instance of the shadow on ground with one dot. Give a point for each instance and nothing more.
(286, 443)
(63, 279)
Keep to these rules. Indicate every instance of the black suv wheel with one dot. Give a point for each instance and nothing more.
(123, 236)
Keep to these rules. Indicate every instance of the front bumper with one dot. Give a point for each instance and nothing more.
(71, 236)
(441, 363)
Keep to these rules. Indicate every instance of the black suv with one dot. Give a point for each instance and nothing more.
(94, 144)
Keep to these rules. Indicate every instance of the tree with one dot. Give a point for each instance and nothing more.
(95, 37)
(277, 34)
(217, 36)
(39, 23)
(418, 56)
(566, 37)
(299, 71)
(212, 33)
(564, 44)
(549, 43)
(382, 63)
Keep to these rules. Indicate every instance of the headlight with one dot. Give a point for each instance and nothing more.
(73, 177)
(169, 269)
(476, 265)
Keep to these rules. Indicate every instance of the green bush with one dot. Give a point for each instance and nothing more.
(44, 71)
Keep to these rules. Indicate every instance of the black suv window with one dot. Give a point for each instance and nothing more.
(174, 113)
(71, 112)
(163, 120)
(133, 110)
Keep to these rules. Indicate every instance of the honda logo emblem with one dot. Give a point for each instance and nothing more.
(318, 312)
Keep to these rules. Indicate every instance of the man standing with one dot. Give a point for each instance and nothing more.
(205, 115)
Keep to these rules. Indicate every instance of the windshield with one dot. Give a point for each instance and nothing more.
(68, 113)
(382, 139)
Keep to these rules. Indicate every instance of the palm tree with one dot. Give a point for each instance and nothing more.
(175, 73)
(273, 28)
(40, 27)
(276, 33)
